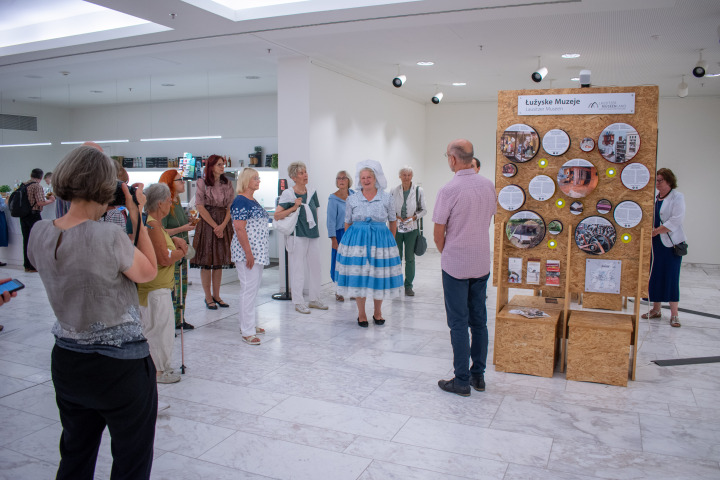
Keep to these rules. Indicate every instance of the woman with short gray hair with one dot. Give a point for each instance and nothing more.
(409, 202)
(156, 306)
(303, 245)
(101, 367)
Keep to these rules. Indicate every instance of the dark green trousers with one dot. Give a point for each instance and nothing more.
(406, 241)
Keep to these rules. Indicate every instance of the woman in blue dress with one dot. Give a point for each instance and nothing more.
(336, 218)
(368, 261)
(250, 250)
(667, 232)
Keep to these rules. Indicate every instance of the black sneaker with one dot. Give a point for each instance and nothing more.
(409, 292)
(478, 383)
(185, 326)
(449, 386)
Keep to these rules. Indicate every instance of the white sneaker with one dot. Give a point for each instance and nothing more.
(317, 304)
(168, 377)
(299, 307)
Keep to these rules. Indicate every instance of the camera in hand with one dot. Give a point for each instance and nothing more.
(119, 200)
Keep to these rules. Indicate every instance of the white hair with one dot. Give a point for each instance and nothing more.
(406, 169)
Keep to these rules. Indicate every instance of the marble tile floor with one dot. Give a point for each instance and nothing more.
(324, 399)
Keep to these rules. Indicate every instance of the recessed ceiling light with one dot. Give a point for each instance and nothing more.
(570, 55)
(253, 77)
(96, 91)
(575, 79)
(33, 76)
(459, 84)
(426, 64)
(167, 84)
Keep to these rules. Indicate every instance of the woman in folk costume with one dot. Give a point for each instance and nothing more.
(368, 261)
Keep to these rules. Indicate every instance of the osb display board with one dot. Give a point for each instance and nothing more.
(644, 120)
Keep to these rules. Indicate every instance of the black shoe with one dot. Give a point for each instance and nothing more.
(363, 324)
(478, 383)
(409, 292)
(378, 321)
(211, 305)
(449, 386)
(185, 326)
(221, 304)
(3, 264)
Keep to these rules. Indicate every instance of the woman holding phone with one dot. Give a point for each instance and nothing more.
(101, 366)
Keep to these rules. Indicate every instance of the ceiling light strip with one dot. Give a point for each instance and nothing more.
(209, 137)
(26, 145)
(95, 141)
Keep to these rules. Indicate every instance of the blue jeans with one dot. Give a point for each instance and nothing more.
(465, 307)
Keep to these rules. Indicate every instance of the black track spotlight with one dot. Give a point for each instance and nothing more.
(437, 98)
(399, 81)
(700, 67)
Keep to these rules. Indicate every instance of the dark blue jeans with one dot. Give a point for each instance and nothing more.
(465, 308)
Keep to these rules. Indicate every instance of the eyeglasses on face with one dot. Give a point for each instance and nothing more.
(341, 178)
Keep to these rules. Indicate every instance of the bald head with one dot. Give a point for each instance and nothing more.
(462, 150)
(94, 145)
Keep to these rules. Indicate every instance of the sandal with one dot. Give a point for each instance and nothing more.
(252, 340)
(652, 314)
(339, 298)
(674, 321)
(259, 331)
(221, 303)
(211, 305)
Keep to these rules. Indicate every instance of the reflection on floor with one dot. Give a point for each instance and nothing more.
(324, 399)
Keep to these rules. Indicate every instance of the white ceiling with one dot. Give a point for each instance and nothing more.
(490, 44)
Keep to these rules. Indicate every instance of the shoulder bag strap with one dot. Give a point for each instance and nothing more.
(417, 207)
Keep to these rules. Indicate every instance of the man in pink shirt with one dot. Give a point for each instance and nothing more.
(462, 215)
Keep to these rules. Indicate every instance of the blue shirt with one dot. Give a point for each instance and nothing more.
(336, 214)
(256, 227)
(380, 209)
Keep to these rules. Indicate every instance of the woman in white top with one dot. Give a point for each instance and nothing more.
(407, 196)
(667, 232)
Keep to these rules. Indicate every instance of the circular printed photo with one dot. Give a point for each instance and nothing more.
(627, 214)
(509, 170)
(576, 208)
(595, 235)
(555, 227)
(603, 206)
(511, 198)
(541, 187)
(525, 229)
(635, 176)
(519, 143)
(556, 142)
(619, 143)
(587, 144)
(577, 178)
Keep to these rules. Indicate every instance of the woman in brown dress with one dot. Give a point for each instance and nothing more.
(214, 231)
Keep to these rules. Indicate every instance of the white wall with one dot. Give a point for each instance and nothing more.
(688, 129)
(346, 121)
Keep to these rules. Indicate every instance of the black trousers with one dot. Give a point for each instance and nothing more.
(26, 224)
(93, 391)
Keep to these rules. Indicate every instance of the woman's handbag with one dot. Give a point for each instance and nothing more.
(679, 249)
(420, 241)
(286, 225)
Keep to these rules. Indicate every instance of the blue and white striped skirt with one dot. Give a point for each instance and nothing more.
(368, 262)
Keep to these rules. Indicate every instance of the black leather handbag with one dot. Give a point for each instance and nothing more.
(421, 241)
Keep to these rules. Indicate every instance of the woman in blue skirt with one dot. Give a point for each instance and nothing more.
(368, 262)
(667, 232)
(336, 218)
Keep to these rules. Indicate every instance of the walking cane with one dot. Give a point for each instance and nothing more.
(182, 320)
